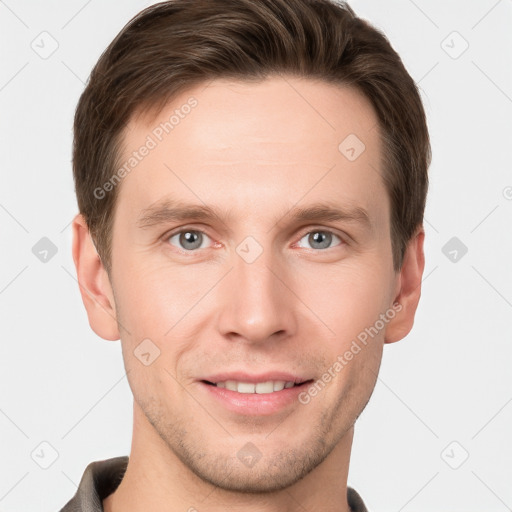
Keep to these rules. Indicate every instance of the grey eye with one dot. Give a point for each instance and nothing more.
(320, 239)
(189, 239)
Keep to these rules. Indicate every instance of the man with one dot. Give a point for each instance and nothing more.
(251, 179)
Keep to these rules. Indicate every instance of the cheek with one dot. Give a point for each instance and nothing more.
(154, 299)
(159, 308)
(348, 299)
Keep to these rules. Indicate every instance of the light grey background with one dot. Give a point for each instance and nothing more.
(444, 392)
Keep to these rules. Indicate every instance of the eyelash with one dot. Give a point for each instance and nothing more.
(167, 236)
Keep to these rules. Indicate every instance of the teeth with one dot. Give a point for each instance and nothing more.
(260, 388)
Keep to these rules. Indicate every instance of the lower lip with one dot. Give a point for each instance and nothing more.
(255, 404)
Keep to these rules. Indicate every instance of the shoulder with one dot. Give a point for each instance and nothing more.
(355, 502)
(100, 479)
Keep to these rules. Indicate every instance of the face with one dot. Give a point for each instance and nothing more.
(277, 285)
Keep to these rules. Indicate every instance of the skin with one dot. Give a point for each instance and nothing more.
(254, 151)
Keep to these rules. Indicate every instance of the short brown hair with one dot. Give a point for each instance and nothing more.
(171, 46)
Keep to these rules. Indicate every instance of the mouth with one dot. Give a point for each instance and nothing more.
(267, 387)
(259, 395)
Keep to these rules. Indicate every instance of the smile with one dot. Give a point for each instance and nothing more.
(270, 386)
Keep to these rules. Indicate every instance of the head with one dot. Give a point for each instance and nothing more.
(213, 143)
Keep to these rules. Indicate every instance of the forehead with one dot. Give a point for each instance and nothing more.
(285, 139)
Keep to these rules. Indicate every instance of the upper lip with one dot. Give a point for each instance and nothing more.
(255, 378)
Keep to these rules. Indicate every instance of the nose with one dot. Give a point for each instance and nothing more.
(256, 302)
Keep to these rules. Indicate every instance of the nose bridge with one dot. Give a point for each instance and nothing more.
(258, 304)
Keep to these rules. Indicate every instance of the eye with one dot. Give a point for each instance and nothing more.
(320, 239)
(192, 239)
(189, 239)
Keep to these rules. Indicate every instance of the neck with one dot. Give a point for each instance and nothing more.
(156, 479)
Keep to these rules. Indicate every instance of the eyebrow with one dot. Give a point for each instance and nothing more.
(175, 211)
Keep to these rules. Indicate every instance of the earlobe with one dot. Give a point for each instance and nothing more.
(94, 283)
(408, 289)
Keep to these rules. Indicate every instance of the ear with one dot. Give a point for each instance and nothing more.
(408, 288)
(94, 283)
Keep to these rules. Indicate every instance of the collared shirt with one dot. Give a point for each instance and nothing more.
(101, 478)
